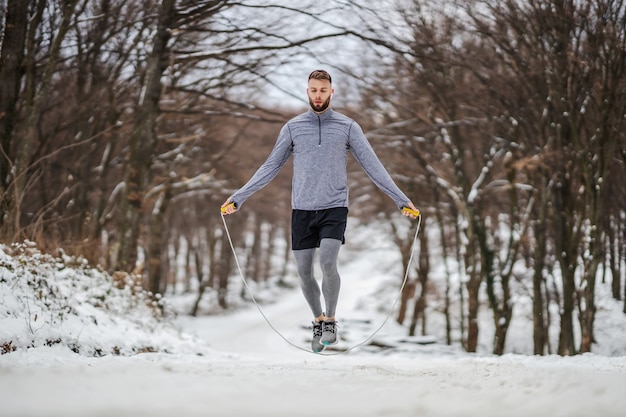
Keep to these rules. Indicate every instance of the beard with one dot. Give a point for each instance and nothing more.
(321, 107)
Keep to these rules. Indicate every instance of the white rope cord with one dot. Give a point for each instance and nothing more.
(250, 292)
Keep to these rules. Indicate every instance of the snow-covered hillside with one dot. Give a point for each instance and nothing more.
(48, 301)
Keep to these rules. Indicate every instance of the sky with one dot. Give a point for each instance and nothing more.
(253, 360)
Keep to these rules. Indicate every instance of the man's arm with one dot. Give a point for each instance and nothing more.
(264, 175)
(367, 158)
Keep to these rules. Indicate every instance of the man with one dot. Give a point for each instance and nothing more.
(319, 141)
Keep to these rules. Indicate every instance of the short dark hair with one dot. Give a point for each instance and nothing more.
(320, 75)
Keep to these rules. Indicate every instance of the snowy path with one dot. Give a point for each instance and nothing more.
(258, 374)
(159, 386)
(297, 385)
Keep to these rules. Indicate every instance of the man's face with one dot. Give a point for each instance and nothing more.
(319, 92)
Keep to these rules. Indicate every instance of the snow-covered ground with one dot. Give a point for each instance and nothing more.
(236, 364)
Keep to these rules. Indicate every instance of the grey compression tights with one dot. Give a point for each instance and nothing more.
(331, 282)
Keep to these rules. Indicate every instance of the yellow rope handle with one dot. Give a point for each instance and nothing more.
(408, 210)
(233, 205)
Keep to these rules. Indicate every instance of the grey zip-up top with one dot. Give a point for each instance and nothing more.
(320, 144)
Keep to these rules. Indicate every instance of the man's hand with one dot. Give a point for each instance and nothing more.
(228, 207)
(411, 211)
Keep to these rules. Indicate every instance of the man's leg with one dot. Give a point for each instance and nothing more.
(331, 282)
(329, 250)
(310, 287)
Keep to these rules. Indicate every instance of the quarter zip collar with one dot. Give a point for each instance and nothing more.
(319, 118)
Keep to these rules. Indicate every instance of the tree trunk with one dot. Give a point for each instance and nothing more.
(409, 289)
(540, 232)
(225, 261)
(285, 257)
(419, 310)
(255, 260)
(447, 301)
(209, 280)
(473, 305)
(587, 316)
(143, 142)
(408, 292)
(501, 309)
(566, 335)
(11, 74)
(157, 243)
(539, 323)
(462, 270)
(472, 266)
(615, 248)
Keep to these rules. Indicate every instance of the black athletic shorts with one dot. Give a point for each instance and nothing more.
(308, 228)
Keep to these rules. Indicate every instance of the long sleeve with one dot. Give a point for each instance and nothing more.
(270, 168)
(365, 155)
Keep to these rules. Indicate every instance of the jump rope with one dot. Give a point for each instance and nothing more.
(415, 213)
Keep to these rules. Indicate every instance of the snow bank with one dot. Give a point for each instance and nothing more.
(48, 301)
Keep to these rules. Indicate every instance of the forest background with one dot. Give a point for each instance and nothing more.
(124, 124)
